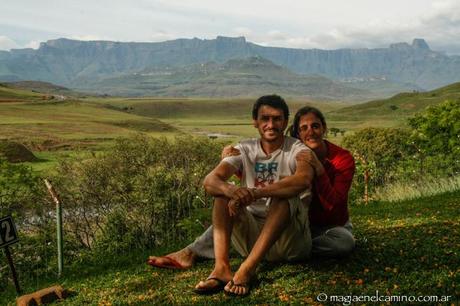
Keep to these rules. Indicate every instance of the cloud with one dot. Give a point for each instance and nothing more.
(161, 35)
(440, 28)
(89, 37)
(327, 24)
(34, 44)
(242, 31)
(7, 43)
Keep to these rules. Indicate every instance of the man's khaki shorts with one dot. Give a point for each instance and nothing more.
(294, 243)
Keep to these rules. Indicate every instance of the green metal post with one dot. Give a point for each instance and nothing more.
(59, 238)
(58, 227)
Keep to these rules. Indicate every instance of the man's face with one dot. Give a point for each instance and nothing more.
(270, 122)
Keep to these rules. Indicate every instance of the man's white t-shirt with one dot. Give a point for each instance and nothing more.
(259, 169)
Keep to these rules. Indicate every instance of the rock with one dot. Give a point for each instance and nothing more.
(15, 152)
(44, 296)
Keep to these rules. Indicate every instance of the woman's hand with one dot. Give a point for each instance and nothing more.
(229, 151)
(310, 157)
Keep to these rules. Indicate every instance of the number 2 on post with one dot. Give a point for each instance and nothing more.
(8, 237)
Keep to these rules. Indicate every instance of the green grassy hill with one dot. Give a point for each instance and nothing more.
(10, 94)
(399, 106)
(229, 116)
(42, 87)
(72, 120)
(409, 248)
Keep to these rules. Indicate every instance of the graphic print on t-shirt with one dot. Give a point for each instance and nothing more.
(265, 173)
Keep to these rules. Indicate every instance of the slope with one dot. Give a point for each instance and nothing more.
(398, 107)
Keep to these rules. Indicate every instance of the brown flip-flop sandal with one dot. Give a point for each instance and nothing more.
(246, 286)
(213, 289)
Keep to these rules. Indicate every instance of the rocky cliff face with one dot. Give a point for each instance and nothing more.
(401, 62)
(69, 62)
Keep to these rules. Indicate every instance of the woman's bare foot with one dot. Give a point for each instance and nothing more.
(184, 258)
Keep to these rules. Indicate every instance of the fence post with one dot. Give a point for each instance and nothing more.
(13, 270)
(58, 226)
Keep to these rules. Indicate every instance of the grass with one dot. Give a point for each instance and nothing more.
(406, 248)
(397, 108)
(401, 191)
(91, 121)
(8, 94)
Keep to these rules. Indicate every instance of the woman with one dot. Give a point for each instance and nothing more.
(329, 219)
(334, 167)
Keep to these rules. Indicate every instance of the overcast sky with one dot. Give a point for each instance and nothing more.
(324, 24)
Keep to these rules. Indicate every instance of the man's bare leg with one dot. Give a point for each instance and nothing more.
(222, 231)
(275, 223)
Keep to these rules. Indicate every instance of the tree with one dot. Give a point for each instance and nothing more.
(334, 131)
(436, 134)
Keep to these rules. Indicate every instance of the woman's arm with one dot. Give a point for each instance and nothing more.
(335, 194)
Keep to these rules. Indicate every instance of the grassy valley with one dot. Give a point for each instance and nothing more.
(52, 126)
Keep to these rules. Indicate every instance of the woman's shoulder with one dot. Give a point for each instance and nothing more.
(337, 153)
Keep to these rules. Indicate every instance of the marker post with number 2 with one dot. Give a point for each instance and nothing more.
(9, 235)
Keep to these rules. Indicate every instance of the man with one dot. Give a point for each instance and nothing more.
(264, 218)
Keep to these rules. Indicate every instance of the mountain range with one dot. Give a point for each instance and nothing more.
(247, 77)
(222, 66)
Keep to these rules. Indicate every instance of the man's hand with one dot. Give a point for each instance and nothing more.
(244, 196)
(310, 157)
(234, 208)
(229, 151)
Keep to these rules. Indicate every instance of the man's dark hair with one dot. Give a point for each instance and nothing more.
(274, 101)
(294, 128)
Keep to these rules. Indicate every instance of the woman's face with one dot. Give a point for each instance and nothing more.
(311, 131)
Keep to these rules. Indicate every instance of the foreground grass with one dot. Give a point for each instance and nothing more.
(409, 248)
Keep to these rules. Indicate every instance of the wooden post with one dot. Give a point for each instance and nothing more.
(58, 226)
(366, 177)
(13, 270)
(366, 186)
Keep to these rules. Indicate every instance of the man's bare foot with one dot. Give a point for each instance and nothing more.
(240, 284)
(185, 258)
(217, 279)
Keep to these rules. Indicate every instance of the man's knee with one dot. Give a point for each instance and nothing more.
(221, 200)
(279, 206)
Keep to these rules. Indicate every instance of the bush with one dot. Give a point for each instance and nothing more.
(435, 133)
(428, 149)
(19, 190)
(144, 192)
(22, 195)
(377, 152)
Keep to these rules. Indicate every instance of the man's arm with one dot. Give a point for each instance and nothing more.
(215, 183)
(291, 185)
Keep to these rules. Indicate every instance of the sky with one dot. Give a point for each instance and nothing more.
(324, 24)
